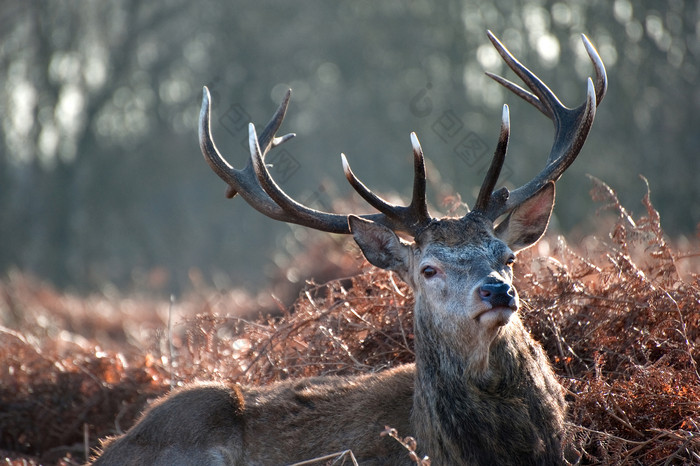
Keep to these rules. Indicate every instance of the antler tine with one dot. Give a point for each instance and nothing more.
(601, 77)
(268, 138)
(366, 193)
(419, 204)
(482, 201)
(211, 154)
(411, 218)
(571, 125)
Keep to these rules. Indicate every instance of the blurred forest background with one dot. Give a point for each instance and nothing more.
(102, 182)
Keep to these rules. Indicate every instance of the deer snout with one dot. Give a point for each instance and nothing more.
(498, 294)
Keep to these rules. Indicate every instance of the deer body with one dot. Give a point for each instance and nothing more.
(217, 424)
(481, 390)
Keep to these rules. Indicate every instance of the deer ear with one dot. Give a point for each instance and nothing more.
(380, 245)
(526, 224)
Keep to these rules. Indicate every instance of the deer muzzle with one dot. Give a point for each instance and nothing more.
(498, 294)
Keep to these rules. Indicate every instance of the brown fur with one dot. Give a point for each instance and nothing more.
(512, 415)
(296, 420)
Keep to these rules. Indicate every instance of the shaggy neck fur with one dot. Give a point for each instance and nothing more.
(511, 412)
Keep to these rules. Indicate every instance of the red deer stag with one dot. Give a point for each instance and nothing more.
(481, 390)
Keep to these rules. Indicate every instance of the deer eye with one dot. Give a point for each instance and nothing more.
(429, 271)
(510, 260)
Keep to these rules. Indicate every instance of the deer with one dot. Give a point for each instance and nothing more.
(481, 390)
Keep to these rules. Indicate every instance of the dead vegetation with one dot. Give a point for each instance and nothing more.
(619, 317)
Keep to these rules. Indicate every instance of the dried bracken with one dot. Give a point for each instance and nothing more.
(622, 327)
(618, 316)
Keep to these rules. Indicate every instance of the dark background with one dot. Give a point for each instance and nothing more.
(102, 182)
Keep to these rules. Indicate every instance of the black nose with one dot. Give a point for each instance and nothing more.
(498, 294)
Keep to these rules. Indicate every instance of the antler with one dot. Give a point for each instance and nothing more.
(571, 129)
(255, 184)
